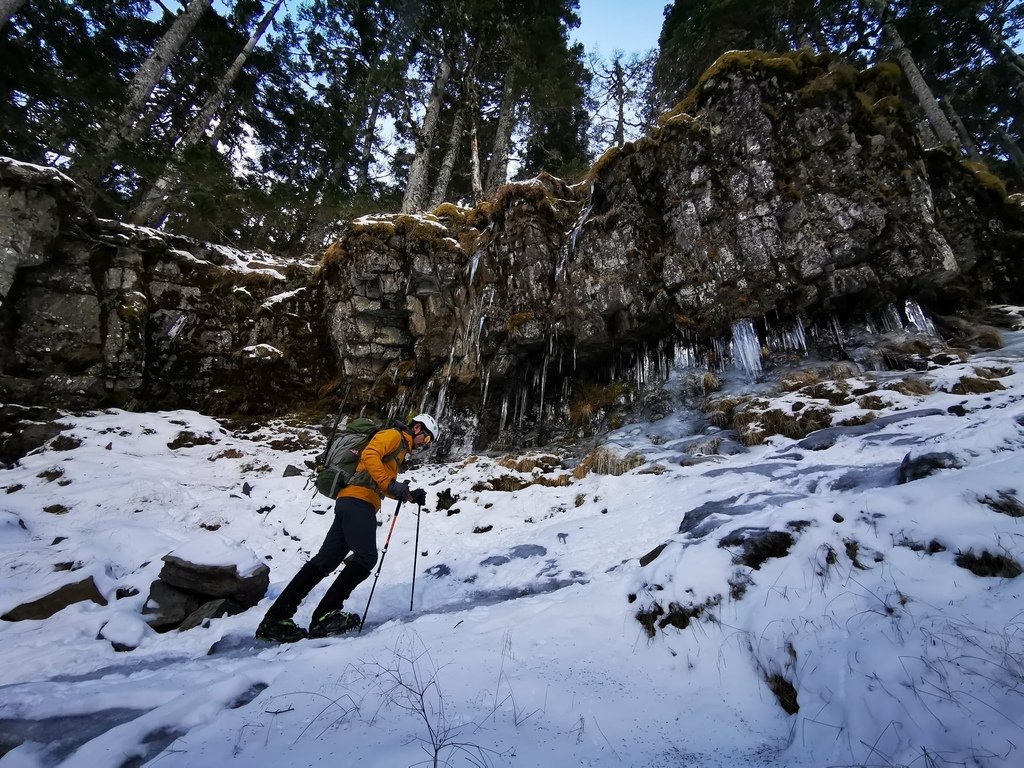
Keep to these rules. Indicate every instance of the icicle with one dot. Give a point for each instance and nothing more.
(426, 393)
(746, 348)
(504, 413)
(479, 335)
(543, 386)
(798, 338)
(473, 264)
(918, 319)
(176, 326)
(891, 320)
(487, 384)
(570, 246)
(837, 330)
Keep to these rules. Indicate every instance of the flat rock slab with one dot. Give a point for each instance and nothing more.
(56, 601)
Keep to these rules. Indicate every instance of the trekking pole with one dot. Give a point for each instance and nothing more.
(337, 420)
(380, 564)
(415, 554)
(327, 448)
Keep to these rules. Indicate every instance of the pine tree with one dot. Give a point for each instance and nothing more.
(129, 125)
(153, 204)
(619, 97)
(7, 9)
(62, 66)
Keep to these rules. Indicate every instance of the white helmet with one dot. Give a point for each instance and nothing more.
(429, 424)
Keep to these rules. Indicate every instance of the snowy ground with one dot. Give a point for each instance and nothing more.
(523, 645)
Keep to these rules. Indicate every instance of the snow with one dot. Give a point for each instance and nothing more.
(522, 645)
(215, 549)
(280, 298)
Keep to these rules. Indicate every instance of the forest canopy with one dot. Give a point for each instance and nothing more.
(267, 124)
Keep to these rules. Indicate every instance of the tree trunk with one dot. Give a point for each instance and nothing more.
(1002, 53)
(366, 154)
(943, 130)
(1013, 59)
(416, 191)
(474, 157)
(444, 176)
(7, 9)
(152, 204)
(130, 124)
(1013, 151)
(619, 85)
(497, 171)
(965, 137)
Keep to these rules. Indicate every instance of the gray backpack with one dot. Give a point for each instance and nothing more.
(342, 457)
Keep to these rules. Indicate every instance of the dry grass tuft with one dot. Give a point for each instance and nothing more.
(872, 403)
(604, 461)
(721, 411)
(911, 386)
(754, 426)
(546, 463)
(835, 392)
(993, 373)
(972, 385)
(856, 421)
(989, 338)
(591, 398)
(798, 380)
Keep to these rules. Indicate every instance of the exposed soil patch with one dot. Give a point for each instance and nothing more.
(678, 615)
(933, 547)
(987, 564)
(784, 692)
(757, 545)
(188, 439)
(1004, 502)
(64, 443)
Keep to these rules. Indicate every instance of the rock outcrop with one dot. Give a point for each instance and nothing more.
(96, 312)
(792, 187)
(187, 593)
(56, 601)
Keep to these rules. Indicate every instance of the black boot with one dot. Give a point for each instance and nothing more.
(334, 623)
(351, 576)
(282, 631)
(277, 624)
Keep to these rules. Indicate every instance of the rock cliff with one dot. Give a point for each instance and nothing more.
(790, 187)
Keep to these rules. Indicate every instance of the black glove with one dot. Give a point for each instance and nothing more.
(419, 496)
(399, 491)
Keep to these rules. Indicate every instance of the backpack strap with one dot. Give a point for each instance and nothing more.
(363, 478)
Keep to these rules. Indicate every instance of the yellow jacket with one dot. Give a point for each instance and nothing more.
(378, 467)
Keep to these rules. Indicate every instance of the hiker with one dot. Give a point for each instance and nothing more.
(354, 530)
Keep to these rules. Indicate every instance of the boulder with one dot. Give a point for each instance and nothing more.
(125, 631)
(214, 609)
(915, 467)
(167, 606)
(206, 578)
(216, 580)
(58, 600)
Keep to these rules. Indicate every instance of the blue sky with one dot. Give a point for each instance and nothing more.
(607, 25)
(628, 25)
